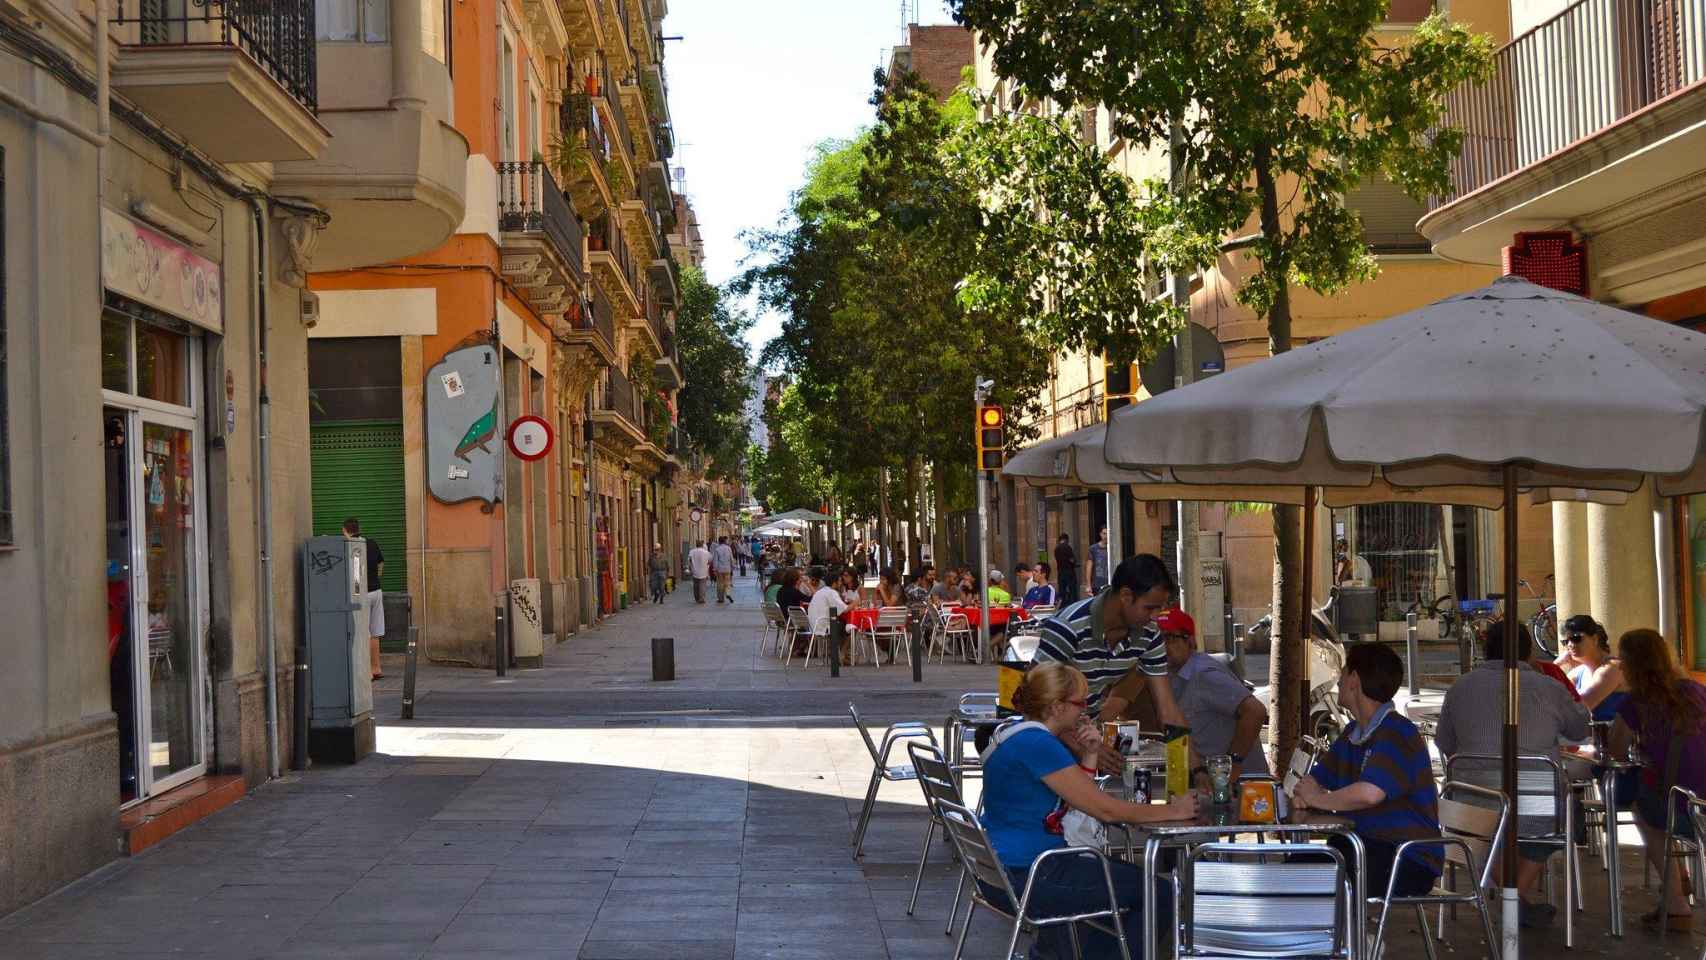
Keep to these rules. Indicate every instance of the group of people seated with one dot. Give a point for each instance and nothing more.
(1124, 654)
(1639, 689)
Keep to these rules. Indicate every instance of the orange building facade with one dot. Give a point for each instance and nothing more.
(561, 265)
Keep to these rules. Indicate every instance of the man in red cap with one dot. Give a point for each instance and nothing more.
(1224, 717)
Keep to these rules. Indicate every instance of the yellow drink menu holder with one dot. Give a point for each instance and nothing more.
(1178, 760)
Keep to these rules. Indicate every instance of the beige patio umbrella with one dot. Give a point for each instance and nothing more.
(1513, 386)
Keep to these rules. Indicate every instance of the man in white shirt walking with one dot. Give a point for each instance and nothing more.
(723, 564)
(699, 565)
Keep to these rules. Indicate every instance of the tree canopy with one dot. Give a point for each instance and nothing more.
(711, 407)
(865, 270)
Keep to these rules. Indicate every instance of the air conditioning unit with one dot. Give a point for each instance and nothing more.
(310, 305)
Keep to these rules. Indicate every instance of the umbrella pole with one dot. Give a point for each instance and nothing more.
(1508, 894)
(1306, 583)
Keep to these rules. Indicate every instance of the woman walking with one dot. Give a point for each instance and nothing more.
(659, 568)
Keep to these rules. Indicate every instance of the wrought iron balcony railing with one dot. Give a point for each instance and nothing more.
(1579, 73)
(607, 237)
(277, 34)
(529, 201)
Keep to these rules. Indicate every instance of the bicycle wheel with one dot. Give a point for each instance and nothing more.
(1544, 626)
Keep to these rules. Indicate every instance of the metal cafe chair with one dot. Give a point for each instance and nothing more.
(936, 777)
(1264, 900)
(1680, 847)
(770, 634)
(892, 624)
(1303, 758)
(797, 626)
(1470, 833)
(881, 769)
(819, 639)
(978, 856)
(1544, 815)
(956, 632)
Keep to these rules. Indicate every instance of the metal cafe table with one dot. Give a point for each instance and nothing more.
(1223, 823)
(1607, 767)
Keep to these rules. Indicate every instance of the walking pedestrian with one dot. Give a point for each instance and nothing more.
(1066, 561)
(723, 564)
(1099, 569)
(374, 600)
(659, 571)
(699, 566)
(741, 554)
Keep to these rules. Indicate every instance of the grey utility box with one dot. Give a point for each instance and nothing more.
(1357, 612)
(334, 572)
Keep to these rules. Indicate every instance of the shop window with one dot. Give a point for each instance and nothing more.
(363, 21)
(162, 365)
(115, 353)
(1695, 646)
(145, 353)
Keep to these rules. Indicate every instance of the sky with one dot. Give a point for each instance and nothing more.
(753, 85)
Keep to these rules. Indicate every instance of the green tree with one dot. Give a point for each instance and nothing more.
(1269, 111)
(711, 408)
(866, 271)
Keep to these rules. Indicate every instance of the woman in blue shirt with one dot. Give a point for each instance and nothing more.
(1031, 768)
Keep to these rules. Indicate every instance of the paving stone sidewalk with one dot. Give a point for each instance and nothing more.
(580, 810)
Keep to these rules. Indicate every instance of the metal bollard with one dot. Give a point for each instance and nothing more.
(835, 646)
(500, 648)
(916, 638)
(663, 659)
(1238, 649)
(1412, 659)
(409, 662)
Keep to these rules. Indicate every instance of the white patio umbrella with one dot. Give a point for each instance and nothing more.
(1512, 386)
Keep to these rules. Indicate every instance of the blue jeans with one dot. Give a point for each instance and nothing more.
(1067, 885)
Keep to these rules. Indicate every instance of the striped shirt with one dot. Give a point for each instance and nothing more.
(1073, 636)
(1392, 756)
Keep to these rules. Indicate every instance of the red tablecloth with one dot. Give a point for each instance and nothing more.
(998, 616)
(862, 618)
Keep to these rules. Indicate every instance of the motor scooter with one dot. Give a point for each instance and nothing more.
(1327, 718)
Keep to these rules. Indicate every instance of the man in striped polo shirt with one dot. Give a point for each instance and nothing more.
(1378, 774)
(1111, 635)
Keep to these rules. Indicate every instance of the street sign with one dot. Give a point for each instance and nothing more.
(530, 437)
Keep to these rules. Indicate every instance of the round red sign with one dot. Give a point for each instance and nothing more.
(530, 437)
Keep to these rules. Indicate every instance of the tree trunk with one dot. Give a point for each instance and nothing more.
(1288, 659)
(939, 530)
(915, 497)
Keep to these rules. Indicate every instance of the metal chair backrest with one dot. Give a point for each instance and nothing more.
(797, 620)
(1043, 611)
(1480, 825)
(935, 776)
(821, 626)
(957, 623)
(871, 745)
(975, 850)
(773, 615)
(1542, 788)
(892, 618)
(1695, 809)
(1273, 900)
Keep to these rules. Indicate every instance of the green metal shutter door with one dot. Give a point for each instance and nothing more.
(358, 472)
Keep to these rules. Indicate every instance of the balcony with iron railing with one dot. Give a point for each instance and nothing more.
(621, 409)
(611, 97)
(236, 78)
(529, 202)
(611, 261)
(1591, 107)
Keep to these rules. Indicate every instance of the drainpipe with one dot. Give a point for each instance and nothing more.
(263, 458)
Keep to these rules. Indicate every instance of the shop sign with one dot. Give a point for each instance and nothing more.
(463, 411)
(156, 271)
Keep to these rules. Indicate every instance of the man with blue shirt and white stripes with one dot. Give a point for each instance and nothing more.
(1111, 635)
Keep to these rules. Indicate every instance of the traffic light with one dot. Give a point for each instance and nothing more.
(1119, 386)
(991, 437)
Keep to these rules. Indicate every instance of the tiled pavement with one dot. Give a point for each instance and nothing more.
(582, 811)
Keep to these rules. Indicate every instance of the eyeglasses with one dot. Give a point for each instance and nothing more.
(1080, 704)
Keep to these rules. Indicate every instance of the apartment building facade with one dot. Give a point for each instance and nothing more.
(154, 410)
(1583, 168)
(1422, 552)
(553, 299)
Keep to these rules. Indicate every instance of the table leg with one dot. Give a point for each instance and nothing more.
(1613, 862)
(1151, 855)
